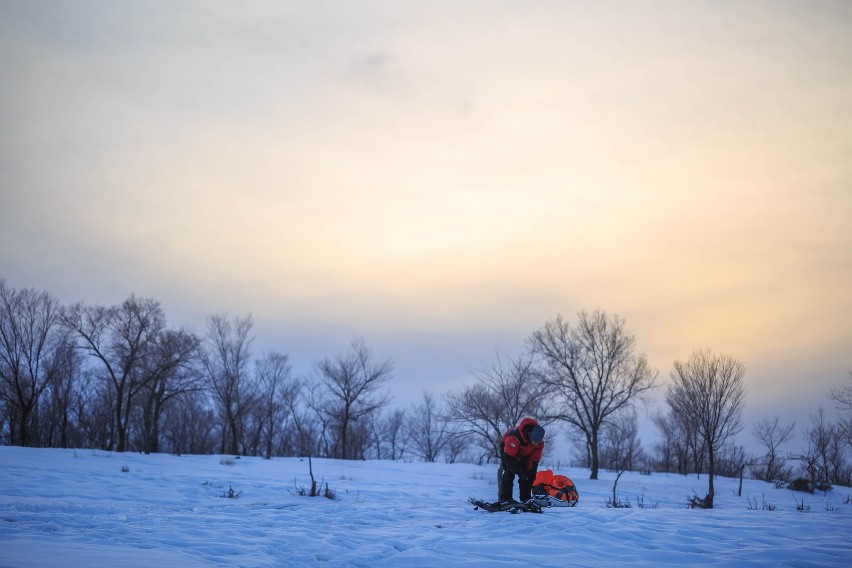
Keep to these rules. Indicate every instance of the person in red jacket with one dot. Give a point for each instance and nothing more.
(521, 451)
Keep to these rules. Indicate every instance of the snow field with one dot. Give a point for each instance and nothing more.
(79, 508)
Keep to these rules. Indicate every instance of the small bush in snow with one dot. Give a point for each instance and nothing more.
(301, 490)
(231, 494)
(124, 469)
(640, 501)
(328, 493)
(696, 502)
(616, 504)
(766, 506)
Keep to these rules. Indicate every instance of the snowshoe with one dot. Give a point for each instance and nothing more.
(513, 507)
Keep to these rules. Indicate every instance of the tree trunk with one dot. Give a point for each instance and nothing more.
(155, 427)
(126, 424)
(25, 431)
(614, 486)
(344, 427)
(146, 426)
(234, 438)
(710, 475)
(119, 446)
(593, 447)
(63, 430)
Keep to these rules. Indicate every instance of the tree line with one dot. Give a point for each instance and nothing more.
(119, 378)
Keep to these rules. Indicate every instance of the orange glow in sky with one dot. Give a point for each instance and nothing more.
(445, 171)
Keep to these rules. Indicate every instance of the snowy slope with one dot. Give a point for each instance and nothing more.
(78, 508)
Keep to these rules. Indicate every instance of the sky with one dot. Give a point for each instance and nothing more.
(440, 179)
(83, 508)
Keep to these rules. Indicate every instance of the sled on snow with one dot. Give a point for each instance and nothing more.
(557, 490)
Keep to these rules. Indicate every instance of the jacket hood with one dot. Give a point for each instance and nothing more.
(526, 424)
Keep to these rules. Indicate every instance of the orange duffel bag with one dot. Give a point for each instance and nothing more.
(559, 489)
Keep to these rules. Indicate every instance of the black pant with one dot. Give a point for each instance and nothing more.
(507, 484)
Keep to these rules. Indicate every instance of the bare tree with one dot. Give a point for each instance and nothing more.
(667, 452)
(65, 392)
(30, 353)
(594, 370)
(397, 435)
(189, 424)
(311, 422)
(621, 447)
(95, 411)
(122, 340)
(772, 435)
(843, 398)
(226, 359)
(456, 445)
(429, 430)
(352, 383)
(823, 458)
(708, 392)
(172, 371)
(681, 449)
(503, 395)
(390, 435)
(375, 428)
(277, 392)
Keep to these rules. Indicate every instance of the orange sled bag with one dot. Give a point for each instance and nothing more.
(558, 489)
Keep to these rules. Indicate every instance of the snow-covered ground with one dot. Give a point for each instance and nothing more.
(93, 508)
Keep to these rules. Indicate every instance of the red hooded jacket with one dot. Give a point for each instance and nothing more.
(521, 450)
